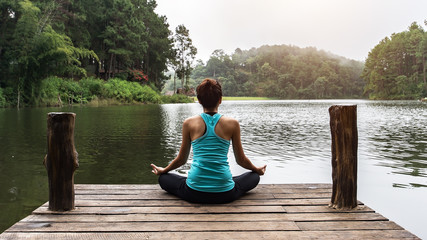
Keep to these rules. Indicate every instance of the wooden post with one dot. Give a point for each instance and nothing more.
(343, 123)
(61, 160)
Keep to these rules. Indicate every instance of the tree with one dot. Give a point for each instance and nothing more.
(122, 36)
(69, 38)
(395, 68)
(159, 43)
(38, 51)
(185, 53)
(23, 62)
(285, 72)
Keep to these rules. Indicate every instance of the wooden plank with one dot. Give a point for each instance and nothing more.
(229, 217)
(156, 186)
(163, 195)
(336, 216)
(176, 202)
(291, 190)
(150, 191)
(302, 195)
(348, 225)
(96, 187)
(120, 191)
(170, 210)
(208, 217)
(271, 211)
(359, 234)
(324, 209)
(154, 196)
(297, 185)
(151, 226)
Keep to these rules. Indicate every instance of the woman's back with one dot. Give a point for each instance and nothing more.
(210, 171)
(223, 129)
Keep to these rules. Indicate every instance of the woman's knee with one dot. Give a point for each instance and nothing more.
(253, 179)
(162, 180)
(170, 181)
(247, 181)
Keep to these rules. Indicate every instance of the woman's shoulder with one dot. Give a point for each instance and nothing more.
(191, 121)
(192, 118)
(229, 121)
(228, 118)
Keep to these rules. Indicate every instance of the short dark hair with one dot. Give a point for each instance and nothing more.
(209, 92)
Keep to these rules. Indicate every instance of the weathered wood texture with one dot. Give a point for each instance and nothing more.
(61, 160)
(343, 123)
(146, 212)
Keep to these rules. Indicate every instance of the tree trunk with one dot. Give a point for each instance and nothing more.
(110, 67)
(19, 96)
(343, 123)
(424, 70)
(61, 160)
(174, 82)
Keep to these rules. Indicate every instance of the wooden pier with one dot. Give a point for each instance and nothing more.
(271, 211)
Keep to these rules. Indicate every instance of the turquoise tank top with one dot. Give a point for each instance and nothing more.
(210, 171)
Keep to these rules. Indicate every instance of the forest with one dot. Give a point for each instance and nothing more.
(284, 72)
(76, 51)
(396, 67)
(46, 41)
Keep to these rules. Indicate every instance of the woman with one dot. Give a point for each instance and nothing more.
(209, 179)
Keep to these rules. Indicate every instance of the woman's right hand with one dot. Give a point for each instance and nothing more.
(157, 170)
(260, 170)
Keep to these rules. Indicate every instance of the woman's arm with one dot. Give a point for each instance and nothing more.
(184, 151)
(240, 156)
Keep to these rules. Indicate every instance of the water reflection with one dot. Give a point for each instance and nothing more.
(116, 144)
(393, 134)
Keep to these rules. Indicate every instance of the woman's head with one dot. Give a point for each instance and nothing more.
(209, 93)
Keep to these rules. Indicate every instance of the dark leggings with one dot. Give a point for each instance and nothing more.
(176, 185)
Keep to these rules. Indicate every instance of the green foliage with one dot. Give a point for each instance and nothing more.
(50, 90)
(56, 91)
(396, 67)
(129, 91)
(2, 99)
(91, 87)
(72, 39)
(177, 98)
(285, 72)
(37, 50)
(185, 54)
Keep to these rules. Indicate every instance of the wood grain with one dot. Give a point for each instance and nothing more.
(146, 212)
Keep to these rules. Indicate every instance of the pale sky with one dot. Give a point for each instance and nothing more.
(349, 28)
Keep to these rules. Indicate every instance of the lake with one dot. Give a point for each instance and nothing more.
(116, 144)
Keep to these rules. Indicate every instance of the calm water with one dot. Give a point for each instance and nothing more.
(116, 145)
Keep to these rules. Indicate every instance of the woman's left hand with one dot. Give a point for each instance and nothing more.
(157, 170)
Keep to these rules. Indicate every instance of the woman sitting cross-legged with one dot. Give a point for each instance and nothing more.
(209, 179)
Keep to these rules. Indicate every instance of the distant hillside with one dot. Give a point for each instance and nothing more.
(283, 71)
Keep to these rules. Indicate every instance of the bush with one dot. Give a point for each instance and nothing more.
(10, 97)
(2, 99)
(118, 89)
(91, 87)
(72, 92)
(55, 91)
(50, 91)
(129, 91)
(177, 98)
(145, 94)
